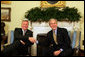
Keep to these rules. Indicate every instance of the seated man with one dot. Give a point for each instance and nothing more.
(58, 40)
(22, 39)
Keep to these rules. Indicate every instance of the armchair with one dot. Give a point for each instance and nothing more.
(75, 41)
(11, 39)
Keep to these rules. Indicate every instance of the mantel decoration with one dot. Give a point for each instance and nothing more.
(45, 4)
(61, 14)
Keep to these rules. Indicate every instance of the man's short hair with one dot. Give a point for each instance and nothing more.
(25, 20)
(53, 19)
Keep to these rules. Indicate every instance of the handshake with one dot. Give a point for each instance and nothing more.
(31, 39)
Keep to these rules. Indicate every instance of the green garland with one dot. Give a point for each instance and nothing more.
(39, 14)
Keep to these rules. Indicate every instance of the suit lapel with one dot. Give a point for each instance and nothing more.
(27, 32)
(58, 33)
(21, 31)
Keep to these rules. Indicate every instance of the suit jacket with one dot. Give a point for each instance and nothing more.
(63, 40)
(18, 35)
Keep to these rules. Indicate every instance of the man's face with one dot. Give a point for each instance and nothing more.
(53, 24)
(24, 25)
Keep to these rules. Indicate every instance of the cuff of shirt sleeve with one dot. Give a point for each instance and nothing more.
(61, 49)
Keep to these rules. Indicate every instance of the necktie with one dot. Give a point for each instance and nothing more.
(55, 38)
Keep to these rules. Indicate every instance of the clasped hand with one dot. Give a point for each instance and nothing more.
(56, 53)
(31, 39)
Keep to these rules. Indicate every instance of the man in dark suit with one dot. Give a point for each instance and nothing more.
(58, 40)
(22, 39)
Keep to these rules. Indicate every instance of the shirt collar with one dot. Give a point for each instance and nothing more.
(24, 30)
(56, 31)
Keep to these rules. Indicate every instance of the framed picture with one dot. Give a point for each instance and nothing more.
(45, 4)
(5, 14)
(5, 2)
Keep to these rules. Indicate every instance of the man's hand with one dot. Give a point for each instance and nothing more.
(56, 53)
(32, 40)
(22, 42)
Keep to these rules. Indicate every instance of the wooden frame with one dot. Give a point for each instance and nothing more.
(5, 2)
(5, 14)
(45, 4)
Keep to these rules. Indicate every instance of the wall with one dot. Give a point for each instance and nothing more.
(18, 9)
